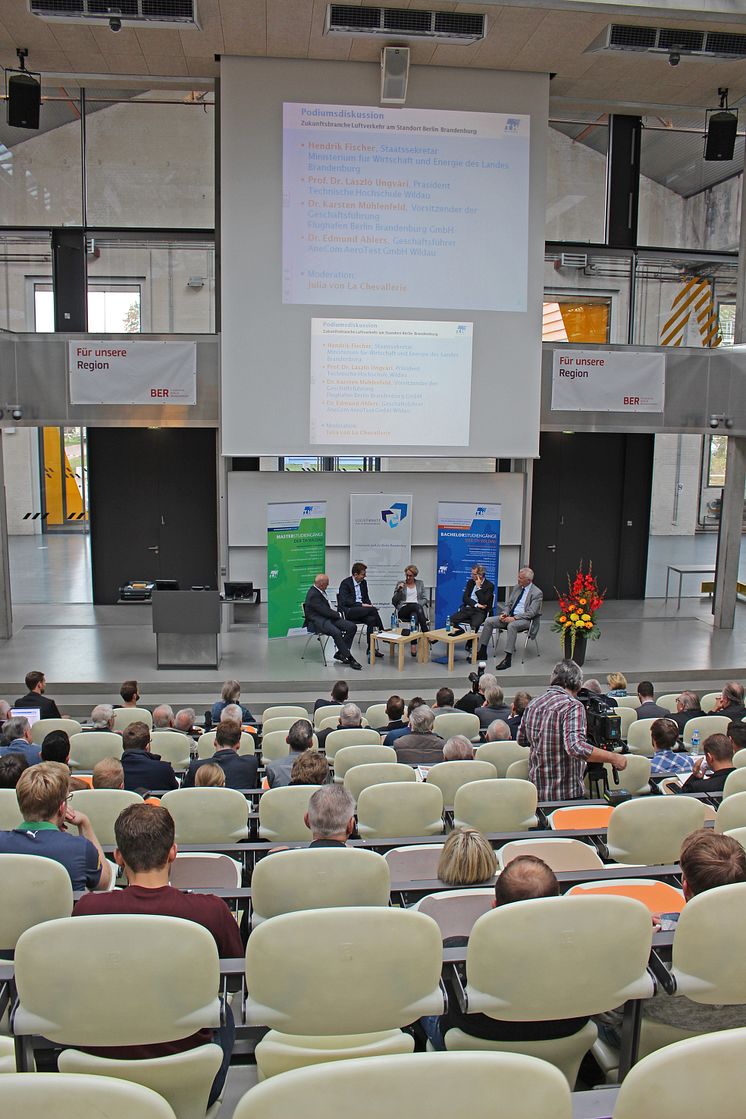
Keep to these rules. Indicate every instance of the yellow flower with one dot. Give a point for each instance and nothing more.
(573, 617)
(585, 617)
(579, 624)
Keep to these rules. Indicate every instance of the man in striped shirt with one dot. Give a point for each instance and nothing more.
(554, 729)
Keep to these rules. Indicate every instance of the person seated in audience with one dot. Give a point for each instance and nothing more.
(617, 682)
(102, 717)
(399, 732)
(16, 739)
(444, 702)
(240, 769)
(299, 738)
(475, 698)
(330, 817)
(350, 718)
(594, 686)
(521, 701)
(394, 711)
(130, 693)
(467, 859)
(737, 734)
(339, 695)
(4, 710)
(108, 774)
(718, 757)
(163, 717)
(310, 768)
(230, 693)
(458, 749)
(36, 682)
(42, 792)
(145, 849)
(687, 707)
(208, 776)
(648, 708)
(184, 722)
(144, 770)
(11, 768)
(729, 704)
(669, 756)
(56, 747)
(421, 746)
(494, 706)
(498, 731)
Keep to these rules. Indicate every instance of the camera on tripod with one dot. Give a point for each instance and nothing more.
(604, 726)
(475, 677)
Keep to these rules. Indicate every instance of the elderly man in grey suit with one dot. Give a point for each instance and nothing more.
(524, 604)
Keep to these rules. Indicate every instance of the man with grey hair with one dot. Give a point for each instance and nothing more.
(523, 605)
(498, 731)
(163, 717)
(687, 707)
(330, 817)
(231, 713)
(458, 749)
(421, 746)
(102, 716)
(594, 686)
(494, 706)
(184, 722)
(298, 738)
(475, 698)
(350, 718)
(16, 739)
(4, 710)
(554, 729)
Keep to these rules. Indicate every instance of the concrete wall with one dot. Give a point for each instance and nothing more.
(676, 474)
(22, 484)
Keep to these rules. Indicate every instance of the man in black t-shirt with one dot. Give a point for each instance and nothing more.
(718, 751)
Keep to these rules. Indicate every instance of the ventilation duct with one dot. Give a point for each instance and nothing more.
(670, 41)
(405, 23)
(155, 13)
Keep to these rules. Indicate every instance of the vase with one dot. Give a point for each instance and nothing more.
(580, 643)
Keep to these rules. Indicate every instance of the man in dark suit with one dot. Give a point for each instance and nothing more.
(240, 771)
(36, 683)
(648, 708)
(353, 600)
(323, 618)
(687, 707)
(143, 770)
(730, 703)
(477, 600)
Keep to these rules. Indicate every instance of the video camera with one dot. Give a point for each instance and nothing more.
(475, 677)
(604, 725)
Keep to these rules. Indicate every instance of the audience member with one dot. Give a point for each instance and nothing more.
(145, 850)
(617, 684)
(231, 713)
(554, 728)
(240, 770)
(130, 693)
(648, 708)
(394, 711)
(310, 768)
(669, 757)
(498, 731)
(594, 686)
(458, 749)
(108, 774)
(718, 756)
(102, 717)
(36, 683)
(184, 722)
(467, 859)
(330, 817)
(350, 718)
(737, 734)
(11, 768)
(163, 717)
(16, 739)
(209, 775)
(4, 710)
(475, 698)
(339, 694)
(399, 732)
(687, 707)
(230, 693)
(421, 746)
(494, 706)
(521, 701)
(144, 770)
(444, 702)
(729, 704)
(56, 747)
(298, 738)
(42, 798)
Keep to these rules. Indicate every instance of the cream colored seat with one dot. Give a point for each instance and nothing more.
(739, 834)
(731, 813)
(375, 773)
(501, 755)
(275, 746)
(518, 771)
(739, 758)
(33, 890)
(630, 701)
(374, 970)
(627, 716)
(709, 700)
(123, 716)
(102, 806)
(43, 727)
(173, 747)
(419, 1086)
(208, 815)
(202, 870)
(668, 701)
(639, 740)
(350, 756)
(166, 975)
(281, 813)
(35, 1095)
(206, 744)
(402, 808)
(706, 725)
(735, 783)
(635, 778)
(282, 722)
(456, 722)
(704, 964)
(10, 813)
(322, 878)
(92, 746)
(414, 862)
(450, 776)
(325, 712)
(285, 710)
(553, 933)
(376, 715)
(495, 806)
(350, 736)
(559, 854)
(456, 911)
(331, 722)
(651, 830)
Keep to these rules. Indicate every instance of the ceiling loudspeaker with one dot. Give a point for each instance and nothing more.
(720, 142)
(394, 75)
(24, 100)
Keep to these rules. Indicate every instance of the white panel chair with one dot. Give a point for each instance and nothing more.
(450, 776)
(33, 890)
(173, 747)
(203, 870)
(668, 701)
(704, 965)
(123, 716)
(627, 716)
(206, 744)
(457, 722)
(275, 746)
(706, 725)
(739, 834)
(208, 815)
(635, 778)
(651, 830)
(501, 755)
(325, 712)
(331, 722)
(91, 747)
(630, 701)
(731, 813)
(43, 727)
(495, 806)
(414, 862)
(402, 808)
(518, 771)
(455, 912)
(559, 854)
(288, 709)
(638, 738)
(79, 1097)
(282, 722)
(10, 813)
(735, 783)
(350, 756)
(281, 813)
(376, 773)
(375, 970)
(423, 1085)
(376, 715)
(739, 758)
(350, 736)
(102, 806)
(709, 700)
(322, 878)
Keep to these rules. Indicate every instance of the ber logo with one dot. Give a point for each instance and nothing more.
(162, 393)
(394, 516)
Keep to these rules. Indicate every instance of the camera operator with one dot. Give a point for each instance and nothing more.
(479, 680)
(554, 728)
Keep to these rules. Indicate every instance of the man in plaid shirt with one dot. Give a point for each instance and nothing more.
(554, 729)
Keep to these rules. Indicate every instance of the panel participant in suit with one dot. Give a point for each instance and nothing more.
(353, 599)
(321, 617)
(477, 601)
(524, 604)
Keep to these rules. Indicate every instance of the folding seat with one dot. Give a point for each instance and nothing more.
(559, 854)
(288, 881)
(496, 806)
(281, 813)
(42, 727)
(350, 736)
(456, 722)
(376, 773)
(287, 710)
(401, 808)
(501, 755)
(92, 746)
(33, 890)
(639, 740)
(206, 744)
(202, 870)
(350, 756)
(102, 806)
(123, 716)
(518, 771)
(375, 715)
(651, 830)
(414, 862)
(274, 745)
(208, 815)
(450, 776)
(10, 813)
(173, 747)
(706, 725)
(78, 1097)
(456, 911)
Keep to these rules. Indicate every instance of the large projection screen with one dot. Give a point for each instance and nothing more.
(381, 268)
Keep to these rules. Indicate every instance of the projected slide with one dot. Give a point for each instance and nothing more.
(405, 208)
(388, 382)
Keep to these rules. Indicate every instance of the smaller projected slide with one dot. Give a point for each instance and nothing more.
(404, 207)
(390, 383)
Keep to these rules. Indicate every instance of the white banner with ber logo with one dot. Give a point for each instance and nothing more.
(608, 381)
(132, 372)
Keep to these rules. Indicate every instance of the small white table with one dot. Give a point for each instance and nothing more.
(682, 569)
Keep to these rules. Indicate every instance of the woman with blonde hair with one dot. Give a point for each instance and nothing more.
(467, 859)
(209, 775)
(617, 684)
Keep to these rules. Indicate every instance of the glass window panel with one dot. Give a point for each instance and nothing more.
(718, 451)
(40, 171)
(586, 295)
(576, 181)
(677, 300)
(25, 259)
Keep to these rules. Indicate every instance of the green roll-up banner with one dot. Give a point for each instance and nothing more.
(296, 550)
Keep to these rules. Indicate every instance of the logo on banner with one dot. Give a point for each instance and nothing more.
(481, 511)
(512, 124)
(307, 509)
(394, 516)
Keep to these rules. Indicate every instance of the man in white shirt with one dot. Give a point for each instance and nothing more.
(524, 604)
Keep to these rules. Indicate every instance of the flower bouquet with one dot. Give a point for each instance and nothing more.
(578, 610)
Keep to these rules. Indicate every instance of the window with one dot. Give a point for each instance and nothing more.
(727, 323)
(348, 463)
(716, 455)
(112, 309)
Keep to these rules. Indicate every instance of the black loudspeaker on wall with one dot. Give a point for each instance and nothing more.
(24, 100)
(720, 143)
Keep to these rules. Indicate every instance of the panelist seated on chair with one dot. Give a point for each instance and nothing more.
(524, 604)
(353, 599)
(240, 771)
(321, 617)
(476, 602)
(409, 599)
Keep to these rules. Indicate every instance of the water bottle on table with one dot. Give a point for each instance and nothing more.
(393, 619)
(695, 741)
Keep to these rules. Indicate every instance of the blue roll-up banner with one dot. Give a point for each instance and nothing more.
(468, 534)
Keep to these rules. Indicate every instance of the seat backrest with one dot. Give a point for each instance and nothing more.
(90, 747)
(42, 727)
(287, 709)
(10, 813)
(627, 716)
(123, 716)
(208, 815)
(493, 806)
(584, 816)
(201, 870)
(113, 948)
(559, 854)
(275, 745)
(173, 747)
(350, 756)
(706, 725)
(415, 862)
(33, 890)
(739, 758)
(375, 968)
(668, 701)
(281, 813)
(635, 778)
(627, 701)
(375, 773)
(282, 722)
(456, 911)
(80, 1097)
(350, 736)
(501, 755)
(739, 834)
(401, 808)
(534, 627)
(706, 966)
(102, 806)
(518, 771)
(376, 715)
(709, 700)
(735, 783)
(651, 830)
(449, 776)
(289, 881)
(660, 897)
(206, 744)
(456, 722)
(732, 812)
(325, 712)
(638, 738)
